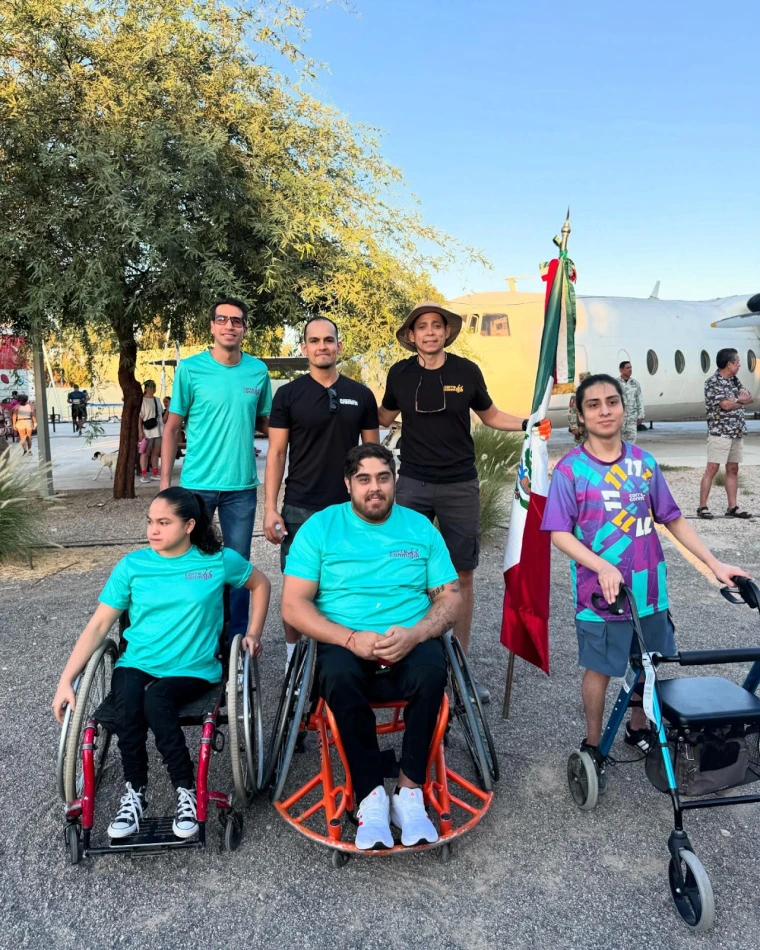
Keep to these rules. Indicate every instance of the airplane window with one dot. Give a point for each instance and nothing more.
(680, 361)
(472, 324)
(705, 360)
(494, 324)
(751, 361)
(652, 362)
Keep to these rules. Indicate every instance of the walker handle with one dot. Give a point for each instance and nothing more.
(710, 657)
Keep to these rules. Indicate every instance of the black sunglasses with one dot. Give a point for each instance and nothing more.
(333, 396)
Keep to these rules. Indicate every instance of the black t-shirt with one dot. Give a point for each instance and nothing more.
(319, 439)
(437, 446)
(76, 398)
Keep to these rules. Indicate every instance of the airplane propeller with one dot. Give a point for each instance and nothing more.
(751, 319)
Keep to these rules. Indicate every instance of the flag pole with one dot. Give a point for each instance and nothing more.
(511, 662)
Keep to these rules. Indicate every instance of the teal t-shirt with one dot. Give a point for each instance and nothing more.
(176, 609)
(371, 576)
(220, 405)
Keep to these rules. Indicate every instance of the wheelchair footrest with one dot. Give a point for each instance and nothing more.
(154, 833)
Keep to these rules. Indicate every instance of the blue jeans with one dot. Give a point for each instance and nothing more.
(237, 511)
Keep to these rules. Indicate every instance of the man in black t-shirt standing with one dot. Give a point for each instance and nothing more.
(77, 399)
(319, 416)
(435, 391)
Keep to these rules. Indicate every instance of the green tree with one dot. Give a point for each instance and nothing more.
(153, 157)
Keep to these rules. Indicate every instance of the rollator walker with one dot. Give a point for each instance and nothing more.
(86, 740)
(707, 730)
(323, 808)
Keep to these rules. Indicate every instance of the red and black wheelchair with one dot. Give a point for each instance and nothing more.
(86, 737)
(322, 807)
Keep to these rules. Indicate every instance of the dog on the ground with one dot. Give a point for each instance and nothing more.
(107, 460)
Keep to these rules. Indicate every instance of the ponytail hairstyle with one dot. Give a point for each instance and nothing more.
(186, 505)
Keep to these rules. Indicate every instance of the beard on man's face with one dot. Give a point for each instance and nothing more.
(375, 506)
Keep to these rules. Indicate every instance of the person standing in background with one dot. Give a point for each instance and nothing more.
(150, 426)
(222, 395)
(77, 400)
(725, 399)
(318, 416)
(24, 422)
(634, 403)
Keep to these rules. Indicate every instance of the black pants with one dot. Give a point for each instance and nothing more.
(349, 684)
(142, 703)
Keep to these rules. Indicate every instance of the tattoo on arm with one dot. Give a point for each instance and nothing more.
(453, 586)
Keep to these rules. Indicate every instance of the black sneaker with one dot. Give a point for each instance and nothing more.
(134, 804)
(641, 739)
(600, 762)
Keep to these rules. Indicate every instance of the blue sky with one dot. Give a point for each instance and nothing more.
(642, 117)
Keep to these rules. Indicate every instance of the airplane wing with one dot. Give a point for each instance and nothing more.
(743, 320)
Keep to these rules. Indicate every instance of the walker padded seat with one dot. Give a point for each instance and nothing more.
(189, 714)
(707, 701)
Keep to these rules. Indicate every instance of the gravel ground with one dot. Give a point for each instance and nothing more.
(536, 872)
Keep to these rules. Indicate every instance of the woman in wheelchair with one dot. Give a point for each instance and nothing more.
(173, 591)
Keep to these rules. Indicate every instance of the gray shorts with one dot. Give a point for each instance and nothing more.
(604, 646)
(293, 518)
(153, 442)
(457, 508)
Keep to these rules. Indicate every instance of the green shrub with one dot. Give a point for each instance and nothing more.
(496, 457)
(720, 479)
(21, 508)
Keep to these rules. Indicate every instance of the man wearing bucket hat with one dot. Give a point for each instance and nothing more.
(434, 391)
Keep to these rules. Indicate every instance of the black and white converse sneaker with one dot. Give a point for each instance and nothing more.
(186, 823)
(134, 804)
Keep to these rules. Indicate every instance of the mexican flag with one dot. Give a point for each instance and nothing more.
(525, 618)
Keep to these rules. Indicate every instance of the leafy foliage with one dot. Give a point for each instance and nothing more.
(21, 508)
(496, 457)
(153, 158)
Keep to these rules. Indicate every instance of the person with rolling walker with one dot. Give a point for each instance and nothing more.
(605, 499)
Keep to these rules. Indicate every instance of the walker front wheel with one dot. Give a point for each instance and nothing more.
(583, 781)
(692, 891)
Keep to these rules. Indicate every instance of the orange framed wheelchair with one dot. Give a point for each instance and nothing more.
(322, 807)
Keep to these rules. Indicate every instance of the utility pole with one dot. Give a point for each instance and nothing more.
(43, 435)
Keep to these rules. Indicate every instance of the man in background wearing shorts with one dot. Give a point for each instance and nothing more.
(604, 499)
(319, 417)
(725, 399)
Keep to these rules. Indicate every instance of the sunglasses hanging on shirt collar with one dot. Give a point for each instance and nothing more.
(417, 392)
(333, 397)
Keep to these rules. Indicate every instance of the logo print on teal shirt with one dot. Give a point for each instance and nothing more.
(406, 552)
(199, 575)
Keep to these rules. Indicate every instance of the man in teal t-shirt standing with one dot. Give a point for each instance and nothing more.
(373, 583)
(222, 395)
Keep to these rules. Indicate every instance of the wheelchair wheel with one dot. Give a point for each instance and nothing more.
(61, 760)
(233, 831)
(244, 723)
(583, 781)
(477, 707)
(73, 847)
(93, 689)
(293, 713)
(464, 703)
(694, 901)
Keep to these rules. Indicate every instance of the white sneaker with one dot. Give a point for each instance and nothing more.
(155, 478)
(186, 823)
(127, 820)
(144, 480)
(409, 814)
(374, 831)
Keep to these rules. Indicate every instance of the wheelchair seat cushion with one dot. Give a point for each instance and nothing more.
(706, 700)
(189, 715)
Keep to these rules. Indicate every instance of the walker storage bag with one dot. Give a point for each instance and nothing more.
(705, 761)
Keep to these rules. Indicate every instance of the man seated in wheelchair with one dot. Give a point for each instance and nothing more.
(173, 591)
(373, 583)
(604, 500)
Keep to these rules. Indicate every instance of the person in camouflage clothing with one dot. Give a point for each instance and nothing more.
(577, 429)
(634, 404)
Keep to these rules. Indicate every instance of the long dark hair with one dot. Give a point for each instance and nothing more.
(186, 505)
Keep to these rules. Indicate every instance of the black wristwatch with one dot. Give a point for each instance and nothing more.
(525, 425)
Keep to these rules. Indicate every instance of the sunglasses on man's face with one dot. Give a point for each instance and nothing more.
(236, 322)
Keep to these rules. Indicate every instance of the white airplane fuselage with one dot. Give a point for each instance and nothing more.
(670, 343)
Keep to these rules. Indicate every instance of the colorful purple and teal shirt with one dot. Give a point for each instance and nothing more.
(612, 507)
